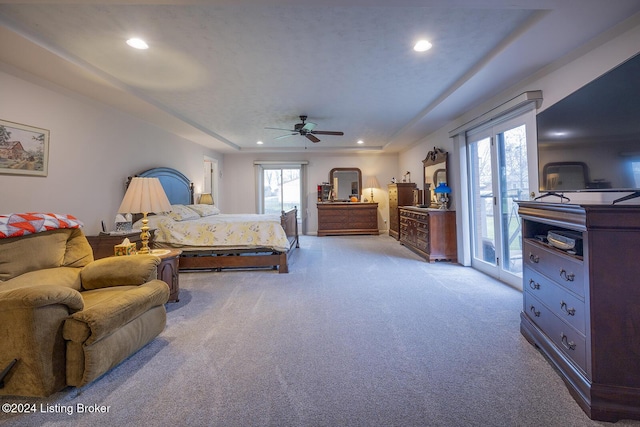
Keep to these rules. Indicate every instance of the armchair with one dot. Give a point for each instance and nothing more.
(66, 319)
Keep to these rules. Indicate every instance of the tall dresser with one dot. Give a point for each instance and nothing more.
(400, 194)
(581, 305)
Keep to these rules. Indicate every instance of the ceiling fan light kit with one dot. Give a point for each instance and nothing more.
(306, 129)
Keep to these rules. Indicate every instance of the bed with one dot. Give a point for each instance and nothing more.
(211, 240)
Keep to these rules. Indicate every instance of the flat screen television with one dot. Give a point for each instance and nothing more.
(590, 140)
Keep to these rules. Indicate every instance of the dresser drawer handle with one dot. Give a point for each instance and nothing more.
(567, 276)
(535, 312)
(569, 311)
(534, 258)
(569, 345)
(533, 284)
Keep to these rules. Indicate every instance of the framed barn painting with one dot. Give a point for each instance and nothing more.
(24, 150)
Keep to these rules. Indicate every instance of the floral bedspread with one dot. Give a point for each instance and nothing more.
(221, 231)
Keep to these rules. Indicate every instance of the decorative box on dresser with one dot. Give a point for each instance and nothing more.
(343, 218)
(431, 233)
(583, 309)
(400, 194)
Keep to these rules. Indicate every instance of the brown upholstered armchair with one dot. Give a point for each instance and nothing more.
(66, 319)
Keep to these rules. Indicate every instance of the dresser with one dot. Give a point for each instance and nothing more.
(581, 307)
(400, 194)
(344, 218)
(431, 233)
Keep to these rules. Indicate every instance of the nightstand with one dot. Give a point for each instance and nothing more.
(103, 244)
(168, 270)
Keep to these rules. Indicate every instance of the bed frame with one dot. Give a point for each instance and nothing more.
(179, 190)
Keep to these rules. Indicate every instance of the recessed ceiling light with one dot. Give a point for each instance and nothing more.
(259, 142)
(422, 46)
(137, 43)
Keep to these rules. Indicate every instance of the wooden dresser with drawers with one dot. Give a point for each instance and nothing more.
(581, 305)
(345, 218)
(431, 233)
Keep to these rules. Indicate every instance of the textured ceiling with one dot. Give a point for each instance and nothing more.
(219, 72)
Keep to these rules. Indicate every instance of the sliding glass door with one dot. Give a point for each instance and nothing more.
(498, 177)
(281, 189)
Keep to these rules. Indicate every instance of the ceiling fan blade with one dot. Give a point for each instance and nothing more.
(327, 132)
(285, 136)
(287, 130)
(312, 138)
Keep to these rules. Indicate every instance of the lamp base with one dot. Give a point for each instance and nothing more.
(444, 201)
(144, 235)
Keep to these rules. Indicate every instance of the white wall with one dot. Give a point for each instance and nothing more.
(239, 173)
(93, 148)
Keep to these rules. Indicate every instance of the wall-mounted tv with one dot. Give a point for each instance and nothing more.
(590, 140)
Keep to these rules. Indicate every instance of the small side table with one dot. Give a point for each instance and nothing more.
(168, 270)
(103, 243)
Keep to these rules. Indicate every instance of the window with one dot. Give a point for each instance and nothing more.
(281, 187)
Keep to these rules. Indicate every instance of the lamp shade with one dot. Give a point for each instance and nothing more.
(206, 199)
(145, 195)
(372, 182)
(442, 188)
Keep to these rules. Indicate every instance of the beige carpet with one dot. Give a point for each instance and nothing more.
(361, 332)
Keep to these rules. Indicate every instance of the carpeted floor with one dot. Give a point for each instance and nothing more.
(361, 332)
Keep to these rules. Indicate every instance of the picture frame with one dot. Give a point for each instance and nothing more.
(24, 149)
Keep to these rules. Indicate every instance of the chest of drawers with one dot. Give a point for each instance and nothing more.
(583, 310)
(431, 233)
(400, 194)
(554, 300)
(344, 218)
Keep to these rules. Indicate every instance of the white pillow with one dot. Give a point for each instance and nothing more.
(205, 210)
(182, 213)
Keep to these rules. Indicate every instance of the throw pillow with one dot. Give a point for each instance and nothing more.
(205, 210)
(182, 213)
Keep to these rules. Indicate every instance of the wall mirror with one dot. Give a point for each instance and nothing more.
(435, 171)
(560, 176)
(346, 182)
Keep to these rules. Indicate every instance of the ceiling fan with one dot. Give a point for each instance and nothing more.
(306, 129)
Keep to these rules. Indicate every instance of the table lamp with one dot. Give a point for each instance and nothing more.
(206, 199)
(442, 193)
(144, 195)
(372, 183)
